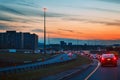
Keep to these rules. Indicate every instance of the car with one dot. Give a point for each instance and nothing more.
(108, 60)
(93, 56)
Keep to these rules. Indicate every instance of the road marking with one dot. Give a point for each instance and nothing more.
(92, 72)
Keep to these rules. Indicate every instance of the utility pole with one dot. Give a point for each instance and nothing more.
(45, 30)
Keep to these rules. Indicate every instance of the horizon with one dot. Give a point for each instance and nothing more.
(80, 42)
(73, 41)
(66, 19)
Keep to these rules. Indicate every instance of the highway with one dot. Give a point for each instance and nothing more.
(96, 72)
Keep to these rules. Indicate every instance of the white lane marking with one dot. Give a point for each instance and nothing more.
(92, 72)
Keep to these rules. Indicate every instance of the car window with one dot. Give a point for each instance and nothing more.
(108, 55)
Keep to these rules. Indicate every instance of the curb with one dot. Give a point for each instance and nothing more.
(75, 72)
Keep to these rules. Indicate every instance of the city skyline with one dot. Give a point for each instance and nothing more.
(80, 42)
(66, 19)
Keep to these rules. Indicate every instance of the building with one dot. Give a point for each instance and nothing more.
(70, 44)
(30, 41)
(62, 43)
(18, 40)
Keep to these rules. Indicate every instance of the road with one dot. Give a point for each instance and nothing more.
(101, 73)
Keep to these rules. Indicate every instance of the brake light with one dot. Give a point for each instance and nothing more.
(102, 59)
(114, 58)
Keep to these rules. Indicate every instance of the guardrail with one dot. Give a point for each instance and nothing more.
(34, 66)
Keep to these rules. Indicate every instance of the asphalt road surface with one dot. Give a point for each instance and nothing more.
(96, 72)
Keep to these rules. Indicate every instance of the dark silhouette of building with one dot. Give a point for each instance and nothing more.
(30, 41)
(62, 43)
(70, 44)
(18, 40)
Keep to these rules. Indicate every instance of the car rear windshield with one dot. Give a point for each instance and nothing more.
(108, 55)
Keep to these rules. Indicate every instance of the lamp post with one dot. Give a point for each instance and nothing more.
(44, 30)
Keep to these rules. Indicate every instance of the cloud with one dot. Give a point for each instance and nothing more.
(13, 18)
(74, 19)
(113, 1)
(10, 17)
(107, 23)
(24, 13)
(101, 9)
(5, 27)
(110, 23)
(72, 31)
(66, 30)
(42, 31)
(38, 30)
(56, 33)
(27, 11)
(49, 32)
(10, 10)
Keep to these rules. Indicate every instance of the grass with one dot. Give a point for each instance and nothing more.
(8, 59)
(22, 56)
(37, 74)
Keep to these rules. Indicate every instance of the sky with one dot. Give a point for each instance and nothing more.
(65, 19)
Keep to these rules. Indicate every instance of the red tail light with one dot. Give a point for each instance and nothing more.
(114, 58)
(102, 59)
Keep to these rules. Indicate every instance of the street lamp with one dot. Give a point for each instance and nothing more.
(44, 30)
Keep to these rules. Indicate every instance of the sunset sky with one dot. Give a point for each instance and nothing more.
(70, 19)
